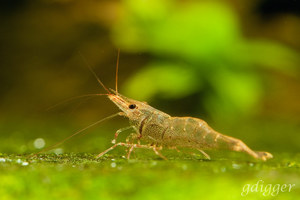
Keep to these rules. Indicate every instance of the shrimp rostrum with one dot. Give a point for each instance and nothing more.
(158, 129)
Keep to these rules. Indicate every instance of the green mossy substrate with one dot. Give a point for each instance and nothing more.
(145, 176)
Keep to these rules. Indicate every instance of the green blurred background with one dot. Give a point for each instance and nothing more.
(233, 63)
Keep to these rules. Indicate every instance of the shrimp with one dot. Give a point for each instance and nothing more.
(158, 129)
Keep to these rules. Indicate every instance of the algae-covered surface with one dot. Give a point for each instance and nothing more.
(61, 174)
(145, 176)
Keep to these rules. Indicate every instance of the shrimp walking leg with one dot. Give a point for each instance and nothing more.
(129, 152)
(204, 153)
(132, 146)
(118, 132)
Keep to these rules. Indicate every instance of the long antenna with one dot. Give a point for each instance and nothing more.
(69, 137)
(117, 70)
(73, 98)
(93, 72)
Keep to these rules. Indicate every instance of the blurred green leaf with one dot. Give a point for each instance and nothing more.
(208, 37)
(273, 55)
(193, 31)
(235, 93)
(164, 79)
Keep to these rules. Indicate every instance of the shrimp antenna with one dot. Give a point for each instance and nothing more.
(93, 72)
(76, 133)
(117, 70)
(73, 98)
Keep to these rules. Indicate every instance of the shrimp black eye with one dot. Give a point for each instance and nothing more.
(132, 106)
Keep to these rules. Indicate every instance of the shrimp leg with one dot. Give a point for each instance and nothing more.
(118, 132)
(204, 153)
(132, 146)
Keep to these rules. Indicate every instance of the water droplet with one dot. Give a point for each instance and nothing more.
(2, 159)
(113, 165)
(19, 160)
(39, 143)
(25, 163)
